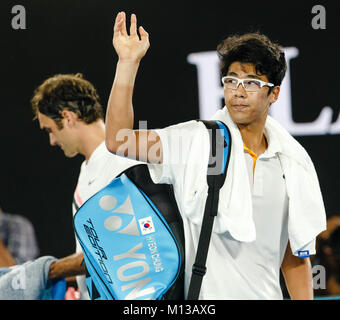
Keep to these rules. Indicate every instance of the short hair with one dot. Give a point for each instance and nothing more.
(334, 241)
(67, 91)
(256, 48)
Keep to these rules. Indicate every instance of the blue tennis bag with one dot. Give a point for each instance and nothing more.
(131, 234)
(132, 251)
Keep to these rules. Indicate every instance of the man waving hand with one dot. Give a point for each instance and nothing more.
(270, 208)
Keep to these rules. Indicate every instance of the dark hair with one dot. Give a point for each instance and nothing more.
(334, 241)
(267, 56)
(67, 91)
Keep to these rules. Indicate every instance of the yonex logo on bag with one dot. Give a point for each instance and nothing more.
(140, 274)
(135, 267)
(116, 222)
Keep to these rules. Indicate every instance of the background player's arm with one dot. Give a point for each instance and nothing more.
(69, 266)
(6, 259)
(298, 276)
(120, 137)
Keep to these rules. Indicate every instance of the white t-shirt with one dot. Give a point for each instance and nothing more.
(99, 171)
(235, 269)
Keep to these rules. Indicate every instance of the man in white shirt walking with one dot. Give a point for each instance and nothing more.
(68, 108)
(270, 208)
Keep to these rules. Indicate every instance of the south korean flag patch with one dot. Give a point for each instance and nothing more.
(146, 225)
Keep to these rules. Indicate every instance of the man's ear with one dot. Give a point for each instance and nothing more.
(275, 94)
(69, 118)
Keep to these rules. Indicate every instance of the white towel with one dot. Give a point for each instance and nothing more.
(306, 218)
(28, 281)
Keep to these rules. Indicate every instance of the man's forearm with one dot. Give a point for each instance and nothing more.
(67, 267)
(299, 282)
(130, 48)
(298, 276)
(119, 114)
(6, 259)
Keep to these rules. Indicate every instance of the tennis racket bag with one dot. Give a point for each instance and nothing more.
(131, 233)
(133, 249)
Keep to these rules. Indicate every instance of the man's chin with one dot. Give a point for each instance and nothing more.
(239, 119)
(69, 154)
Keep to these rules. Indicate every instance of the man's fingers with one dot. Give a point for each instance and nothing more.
(118, 23)
(133, 25)
(121, 23)
(143, 33)
(118, 17)
(120, 30)
(117, 27)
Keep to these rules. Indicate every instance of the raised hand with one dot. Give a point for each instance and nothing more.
(129, 47)
(119, 120)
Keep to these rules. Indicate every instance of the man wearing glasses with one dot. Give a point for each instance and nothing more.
(270, 208)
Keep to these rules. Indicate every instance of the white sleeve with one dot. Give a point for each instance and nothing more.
(117, 164)
(307, 250)
(161, 173)
(177, 142)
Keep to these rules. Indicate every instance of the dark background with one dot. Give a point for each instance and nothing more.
(72, 36)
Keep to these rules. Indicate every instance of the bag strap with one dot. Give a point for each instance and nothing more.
(217, 169)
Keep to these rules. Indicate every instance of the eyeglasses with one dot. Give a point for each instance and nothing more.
(250, 85)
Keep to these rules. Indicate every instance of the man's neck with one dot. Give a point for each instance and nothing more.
(253, 137)
(91, 137)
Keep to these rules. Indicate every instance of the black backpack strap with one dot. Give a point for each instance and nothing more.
(220, 145)
(75, 203)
